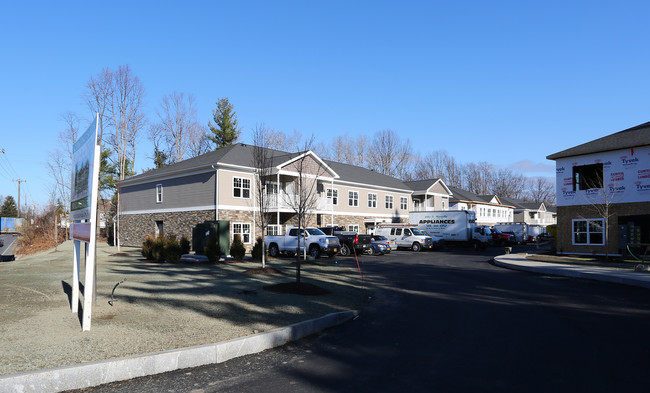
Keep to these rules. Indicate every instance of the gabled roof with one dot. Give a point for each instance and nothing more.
(459, 195)
(241, 155)
(357, 174)
(423, 186)
(630, 138)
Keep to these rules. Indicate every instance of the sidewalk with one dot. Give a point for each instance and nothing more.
(607, 274)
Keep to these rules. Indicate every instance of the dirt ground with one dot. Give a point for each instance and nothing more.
(157, 306)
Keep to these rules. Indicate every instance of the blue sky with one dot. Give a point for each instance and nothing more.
(507, 82)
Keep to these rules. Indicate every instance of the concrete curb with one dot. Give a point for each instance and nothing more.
(584, 272)
(118, 369)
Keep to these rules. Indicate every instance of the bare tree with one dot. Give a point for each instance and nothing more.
(177, 126)
(506, 183)
(601, 196)
(59, 163)
(98, 95)
(126, 117)
(391, 156)
(541, 190)
(478, 177)
(304, 201)
(262, 161)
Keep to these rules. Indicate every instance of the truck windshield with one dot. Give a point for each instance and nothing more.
(314, 231)
(418, 232)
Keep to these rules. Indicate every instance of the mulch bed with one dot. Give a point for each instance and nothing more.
(297, 289)
(262, 270)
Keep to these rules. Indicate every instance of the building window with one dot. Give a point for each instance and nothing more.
(443, 205)
(273, 230)
(586, 177)
(271, 188)
(241, 188)
(589, 231)
(333, 194)
(372, 200)
(353, 198)
(243, 230)
(159, 193)
(403, 203)
(389, 201)
(353, 228)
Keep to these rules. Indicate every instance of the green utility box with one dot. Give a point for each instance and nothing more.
(201, 233)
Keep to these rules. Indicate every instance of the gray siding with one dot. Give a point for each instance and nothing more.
(179, 193)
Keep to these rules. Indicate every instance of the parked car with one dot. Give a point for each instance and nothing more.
(351, 242)
(317, 243)
(501, 238)
(2, 244)
(380, 245)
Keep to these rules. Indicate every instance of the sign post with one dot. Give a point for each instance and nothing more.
(83, 213)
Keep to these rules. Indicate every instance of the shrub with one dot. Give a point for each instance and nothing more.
(172, 250)
(147, 247)
(257, 249)
(212, 249)
(237, 249)
(185, 245)
(158, 249)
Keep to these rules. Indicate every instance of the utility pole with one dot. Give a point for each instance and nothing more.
(19, 181)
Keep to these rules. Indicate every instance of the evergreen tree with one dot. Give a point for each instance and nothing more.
(224, 130)
(9, 208)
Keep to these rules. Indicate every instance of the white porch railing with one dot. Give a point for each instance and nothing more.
(290, 201)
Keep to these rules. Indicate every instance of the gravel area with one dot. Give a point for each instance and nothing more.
(158, 307)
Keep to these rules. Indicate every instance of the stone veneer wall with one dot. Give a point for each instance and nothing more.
(135, 227)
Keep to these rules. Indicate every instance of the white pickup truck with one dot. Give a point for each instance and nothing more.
(317, 242)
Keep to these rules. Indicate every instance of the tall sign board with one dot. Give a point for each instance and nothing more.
(83, 214)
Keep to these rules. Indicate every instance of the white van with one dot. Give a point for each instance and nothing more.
(408, 236)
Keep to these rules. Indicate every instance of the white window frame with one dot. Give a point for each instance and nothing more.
(241, 187)
(273, 230)
(239, 228)
(389, 201)
(353, 228)
(372, 200)
(333, 194)
(588, 231)
(353, 198)
(403, 203)
(159, 193)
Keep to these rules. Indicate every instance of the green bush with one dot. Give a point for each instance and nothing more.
(237, 249)
(257, 249)
(158, 249)
(147, 247)
(172, 251)
(185, 245)
(212, 249)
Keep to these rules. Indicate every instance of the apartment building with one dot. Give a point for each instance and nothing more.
(220, 185)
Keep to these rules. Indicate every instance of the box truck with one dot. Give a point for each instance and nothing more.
(454, 226)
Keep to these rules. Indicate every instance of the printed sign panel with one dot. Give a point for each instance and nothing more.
(625, 178)
(83, 160)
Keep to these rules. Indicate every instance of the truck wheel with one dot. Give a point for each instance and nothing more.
(274, 251)
(371, 251)
(314, 251)
(416, 247)
(345, 250)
